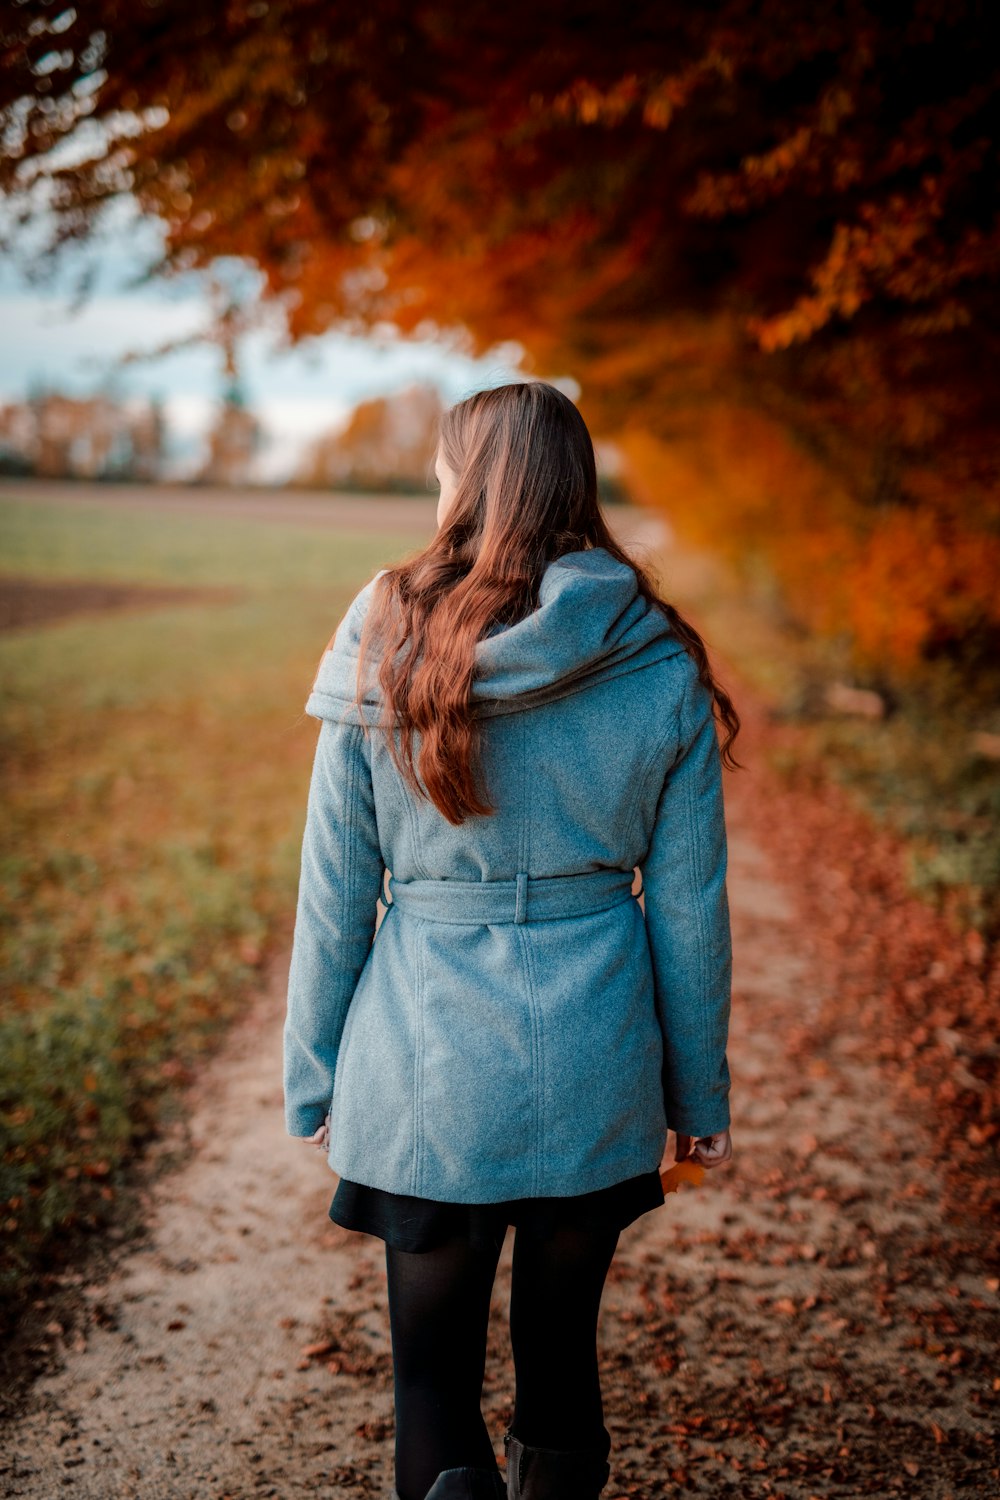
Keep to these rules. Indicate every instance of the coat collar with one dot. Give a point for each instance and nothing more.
(591, 624)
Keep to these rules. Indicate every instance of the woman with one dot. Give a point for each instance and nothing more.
(512, 722)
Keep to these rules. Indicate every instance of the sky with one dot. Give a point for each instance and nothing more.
(296, 394)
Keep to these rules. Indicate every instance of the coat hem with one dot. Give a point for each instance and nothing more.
(495, 1187)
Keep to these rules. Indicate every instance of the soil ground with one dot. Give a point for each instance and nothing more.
(26, 603)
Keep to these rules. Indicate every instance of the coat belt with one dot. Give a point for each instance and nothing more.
(526, 898)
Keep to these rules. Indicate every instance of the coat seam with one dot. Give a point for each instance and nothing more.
(416, 1165)
(350, 858)
(411, 818)
(702, 925)
(526, 822)
(645, 773)
(538, 1061)
(350, 866)
(423, 1059)
(695, 845)
(537, 1064)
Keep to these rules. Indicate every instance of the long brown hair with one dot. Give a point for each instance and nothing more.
(526, 493)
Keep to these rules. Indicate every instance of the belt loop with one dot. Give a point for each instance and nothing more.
(387, 896)
(521, 901)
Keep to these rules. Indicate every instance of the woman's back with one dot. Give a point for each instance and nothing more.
(516, 1028)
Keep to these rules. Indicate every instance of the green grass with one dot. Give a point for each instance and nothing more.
(83, 540)
(156, 765)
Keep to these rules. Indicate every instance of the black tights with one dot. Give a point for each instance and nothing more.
(439, 1303)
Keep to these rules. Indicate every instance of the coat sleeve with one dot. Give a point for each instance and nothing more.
(340, 881)
(687, 924)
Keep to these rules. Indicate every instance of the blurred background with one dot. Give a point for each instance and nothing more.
(249, 251)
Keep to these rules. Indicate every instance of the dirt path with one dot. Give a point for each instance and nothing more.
(810, 1322)
(796, 1327)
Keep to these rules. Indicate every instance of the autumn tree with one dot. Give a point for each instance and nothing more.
(787, 207)
(387, 444)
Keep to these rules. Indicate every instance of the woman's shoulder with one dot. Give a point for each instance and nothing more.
(346, 638)
(673, 681)
(691, 701)
(353, 619)
(334, 686)
(668, 703)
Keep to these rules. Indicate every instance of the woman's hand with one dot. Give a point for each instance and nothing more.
(321, 1137)
(709, 1150)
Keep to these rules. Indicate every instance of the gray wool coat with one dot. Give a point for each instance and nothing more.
(518, 1026)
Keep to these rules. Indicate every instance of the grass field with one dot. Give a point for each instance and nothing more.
(156, 764)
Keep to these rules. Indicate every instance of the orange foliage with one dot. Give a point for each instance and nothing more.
(898, 580)
(682, 1171)
(775, 205)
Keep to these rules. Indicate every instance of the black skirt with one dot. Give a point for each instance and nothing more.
(423, 1223)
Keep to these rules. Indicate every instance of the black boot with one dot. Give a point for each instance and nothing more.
(466, 1484)
(555, 1473)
